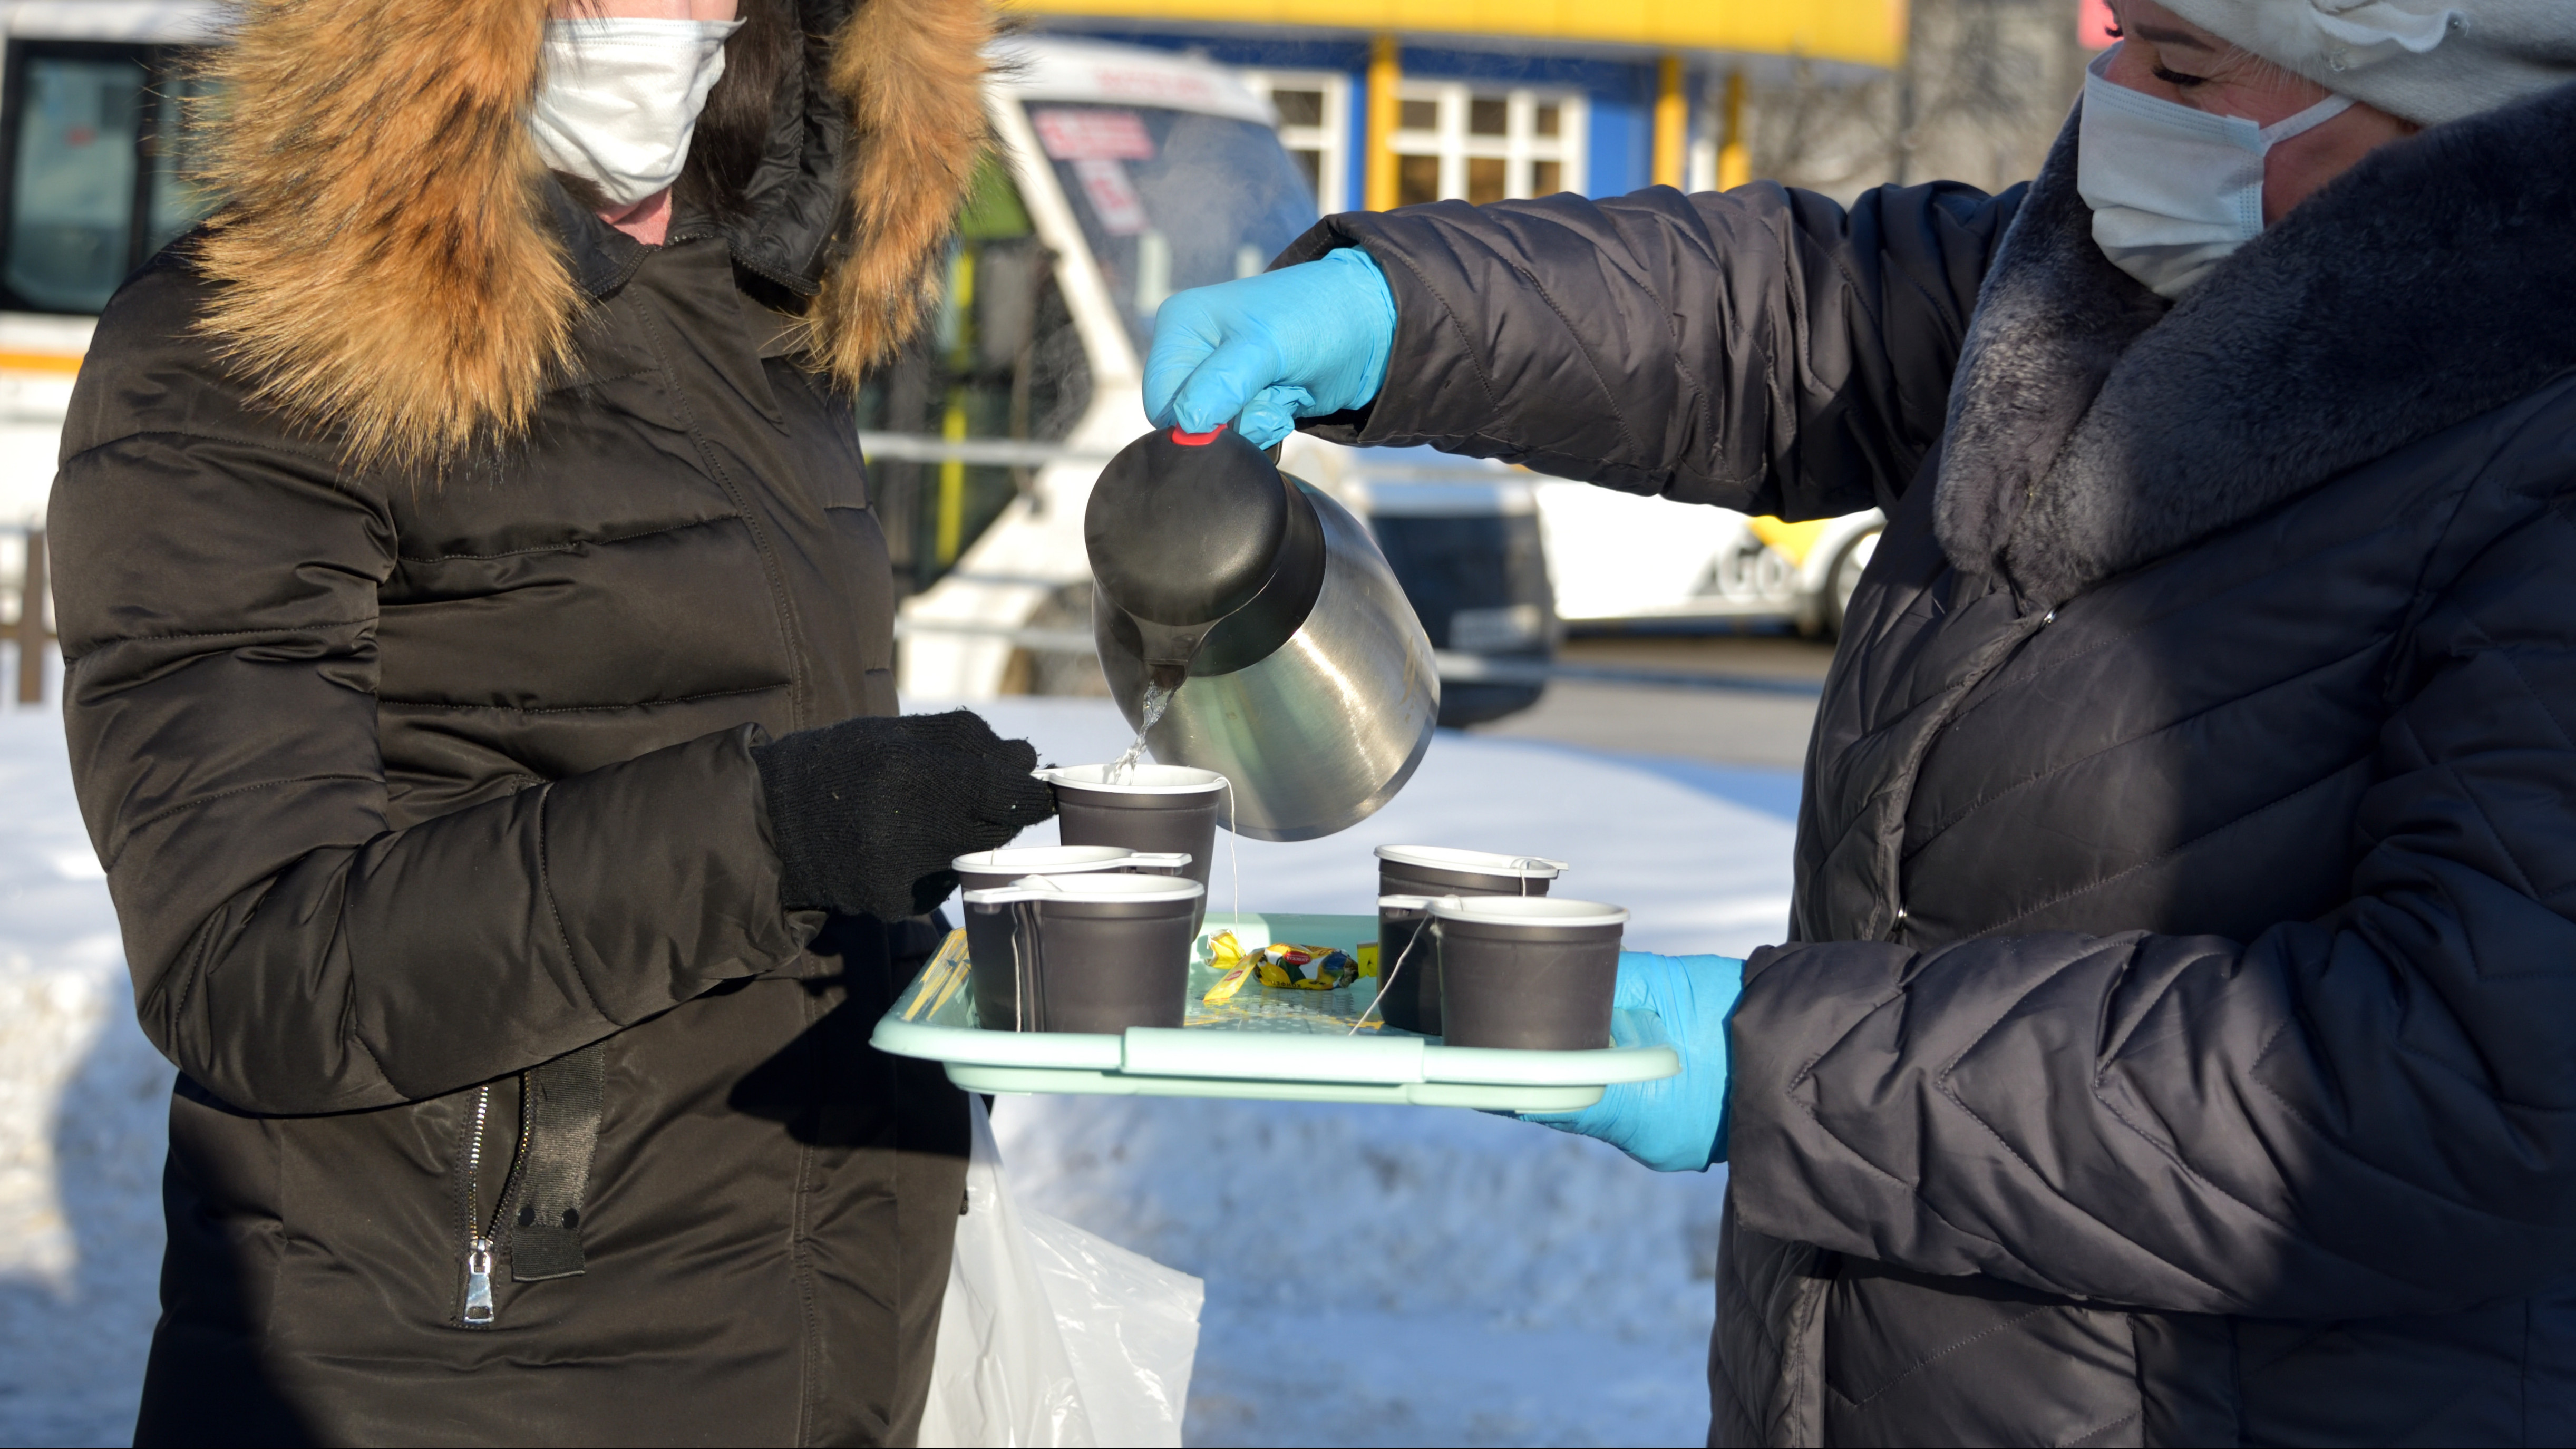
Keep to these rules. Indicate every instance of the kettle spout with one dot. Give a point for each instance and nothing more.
(1168, 649)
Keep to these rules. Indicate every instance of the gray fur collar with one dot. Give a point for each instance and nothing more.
(2092, 430)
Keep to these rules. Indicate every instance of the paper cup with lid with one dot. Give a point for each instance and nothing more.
(988, 934)
(1413, 872)
(1156, 809)
(1441, 870)
(1096, 952)
(1534, 973)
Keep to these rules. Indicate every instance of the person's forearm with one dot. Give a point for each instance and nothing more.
(481, 942)
(2177, 1123)
(1762, 349)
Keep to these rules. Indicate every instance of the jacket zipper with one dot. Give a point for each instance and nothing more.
(480, 1233)
(478, 1242)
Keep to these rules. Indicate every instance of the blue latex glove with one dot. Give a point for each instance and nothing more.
(1264, 351)
(1677, 1124)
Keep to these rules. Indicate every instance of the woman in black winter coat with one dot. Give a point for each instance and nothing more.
(478, 679)
(2176, 1042)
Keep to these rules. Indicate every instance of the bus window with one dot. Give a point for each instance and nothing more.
(99, 158)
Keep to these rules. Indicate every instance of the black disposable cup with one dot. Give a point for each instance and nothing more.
(1529, 974)
(1157, 809)
(1095, 953)
(988, 934)
(1439, 870)
(1408, 968)
(1412, 999)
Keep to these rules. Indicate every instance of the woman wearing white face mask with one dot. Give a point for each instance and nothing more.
(478, 651)
(2173, 1044)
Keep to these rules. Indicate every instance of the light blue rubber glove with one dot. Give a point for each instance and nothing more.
(1677, 1124)
(1264, 351)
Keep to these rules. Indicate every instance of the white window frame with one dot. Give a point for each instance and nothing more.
(1331, 140)
(1519, 145)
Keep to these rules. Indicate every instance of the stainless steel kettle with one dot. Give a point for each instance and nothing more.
(1301, 673)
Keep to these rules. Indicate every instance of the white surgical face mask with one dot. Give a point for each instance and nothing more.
(2173, 189)
(621, 98)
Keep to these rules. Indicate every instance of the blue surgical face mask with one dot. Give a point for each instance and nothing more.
(2174, 190)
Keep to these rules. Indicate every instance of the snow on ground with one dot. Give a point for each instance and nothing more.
(1375, 1275)
(83, 1118)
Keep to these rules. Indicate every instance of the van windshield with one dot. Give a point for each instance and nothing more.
(1172, 199)
(99, 166)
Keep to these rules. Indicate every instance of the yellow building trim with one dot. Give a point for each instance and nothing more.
(39, 362)
(1734, 155)
(1863, 32)
(1385, 77)
(1672, 121)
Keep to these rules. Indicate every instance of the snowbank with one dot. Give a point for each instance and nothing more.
(83, 1103)
(1375, 1275)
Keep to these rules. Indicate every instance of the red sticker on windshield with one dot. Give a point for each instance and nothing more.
(1113, 197)
(1089, 135)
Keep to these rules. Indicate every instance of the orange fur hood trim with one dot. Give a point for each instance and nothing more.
(388, 267)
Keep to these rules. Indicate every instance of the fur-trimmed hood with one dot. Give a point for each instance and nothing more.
(2092, 431)
(395, 265)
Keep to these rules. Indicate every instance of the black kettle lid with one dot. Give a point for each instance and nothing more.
(1185, 528)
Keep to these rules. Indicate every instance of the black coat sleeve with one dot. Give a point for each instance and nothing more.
(1762, 348)
(2372, 1113)
(216, 592)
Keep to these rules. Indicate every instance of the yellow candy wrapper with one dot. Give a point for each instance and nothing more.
(1365, 953)
(1224, 951)
(1224, 990)
(1273, 974)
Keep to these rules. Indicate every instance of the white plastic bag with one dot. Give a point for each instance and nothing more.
(1050, 1336)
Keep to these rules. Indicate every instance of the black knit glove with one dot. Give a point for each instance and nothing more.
(867, 813)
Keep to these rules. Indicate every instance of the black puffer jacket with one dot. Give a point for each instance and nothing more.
(429, 812)
(2178, 1046)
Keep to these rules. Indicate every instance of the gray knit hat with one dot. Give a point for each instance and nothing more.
(2426, 60)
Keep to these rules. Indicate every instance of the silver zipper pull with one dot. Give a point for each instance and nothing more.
(478, 1283)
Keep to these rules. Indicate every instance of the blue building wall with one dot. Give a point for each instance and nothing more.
(1620, 96)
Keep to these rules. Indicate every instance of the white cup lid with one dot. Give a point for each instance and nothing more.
(1142, 780)
(1096, 887)
(1021, 860)
(1527, 911)
(1479, 862)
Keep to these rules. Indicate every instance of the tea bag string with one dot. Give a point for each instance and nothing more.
(1386, 978)
(1525, 864)
(1233, 859)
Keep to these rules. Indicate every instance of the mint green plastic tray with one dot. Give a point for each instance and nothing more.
(1265, 1044)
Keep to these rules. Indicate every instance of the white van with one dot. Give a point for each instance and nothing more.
(90, 95)
(1126, 175)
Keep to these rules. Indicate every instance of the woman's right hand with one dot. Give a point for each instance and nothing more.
(866, 814)
(1266, 350)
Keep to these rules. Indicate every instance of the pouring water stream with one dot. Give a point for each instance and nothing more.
(1157, 700)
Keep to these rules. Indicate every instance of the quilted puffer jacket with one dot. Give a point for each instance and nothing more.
(2177, 1039)
(429, 557)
